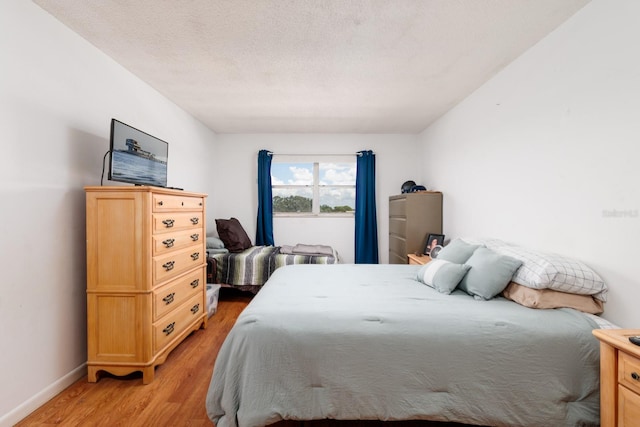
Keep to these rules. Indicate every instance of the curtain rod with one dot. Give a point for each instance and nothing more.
(270, 153)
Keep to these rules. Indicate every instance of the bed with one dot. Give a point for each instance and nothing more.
(233, 261)
(370, 342)
(249, 270)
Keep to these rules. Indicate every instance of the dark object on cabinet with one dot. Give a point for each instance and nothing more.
(406, 186)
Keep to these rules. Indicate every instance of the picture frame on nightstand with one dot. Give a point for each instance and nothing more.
(432, 241)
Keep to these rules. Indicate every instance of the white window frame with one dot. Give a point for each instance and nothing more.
(315, 186)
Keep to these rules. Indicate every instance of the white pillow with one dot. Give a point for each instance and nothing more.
(543, 270)
(487, 242)
(550, 271)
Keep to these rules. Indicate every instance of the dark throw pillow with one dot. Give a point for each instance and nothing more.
(233, 235)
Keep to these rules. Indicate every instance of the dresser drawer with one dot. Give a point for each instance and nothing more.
(398, 245)
(167, 266)
(176, 292)
(175, 240)
(165, 202)
(164, 222)
(398, 207)
(629, 371)
(171, 325)
(398, 226)
(628, 407)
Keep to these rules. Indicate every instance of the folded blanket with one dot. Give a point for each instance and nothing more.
(286, 249)
(312, 249)
(302, 249)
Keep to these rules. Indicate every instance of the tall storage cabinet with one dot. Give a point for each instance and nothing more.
(411, 217)
(146, 266)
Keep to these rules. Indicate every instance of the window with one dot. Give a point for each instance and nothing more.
(313, 188)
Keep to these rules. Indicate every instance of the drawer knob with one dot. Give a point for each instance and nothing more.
(195, 220)
(635, 376)
(195, 237)
(195, 308)
(195, 255)
(195, 283)
(168, 223)
(160, 203)
(169, 298)
(169, 242)
(169, 328)
(168, 265)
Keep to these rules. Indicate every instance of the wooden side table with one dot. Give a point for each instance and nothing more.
(418, 259)
(619, 378)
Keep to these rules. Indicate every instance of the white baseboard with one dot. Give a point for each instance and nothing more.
(36, 401)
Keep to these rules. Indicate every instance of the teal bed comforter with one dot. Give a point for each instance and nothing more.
(356, 342)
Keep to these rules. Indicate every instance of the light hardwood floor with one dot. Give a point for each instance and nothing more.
(175, 398)
(177, 395)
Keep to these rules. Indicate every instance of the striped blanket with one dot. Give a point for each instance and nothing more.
(252, 267)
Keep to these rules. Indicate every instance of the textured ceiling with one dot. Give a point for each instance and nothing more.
(344, 66)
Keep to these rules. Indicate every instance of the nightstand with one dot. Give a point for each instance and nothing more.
(619, 378)
(418, 259)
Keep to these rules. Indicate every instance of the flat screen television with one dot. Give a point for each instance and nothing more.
(137, 157)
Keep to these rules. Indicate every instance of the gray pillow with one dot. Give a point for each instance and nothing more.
(442, 275)
(490, 273)
(457, 251)
(214, 243)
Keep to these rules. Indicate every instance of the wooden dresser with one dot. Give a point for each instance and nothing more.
(619, 378)
(412, 216)
(146, 266)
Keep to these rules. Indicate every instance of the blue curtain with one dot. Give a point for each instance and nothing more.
(366, 222)
(264, 230)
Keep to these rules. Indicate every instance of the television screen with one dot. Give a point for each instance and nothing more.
(137, 157)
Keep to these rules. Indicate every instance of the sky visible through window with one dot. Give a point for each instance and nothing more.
(292, 173)
(336, 182)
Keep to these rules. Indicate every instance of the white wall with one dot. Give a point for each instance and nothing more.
(57, 96)
(546, 151)
(236, 191)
